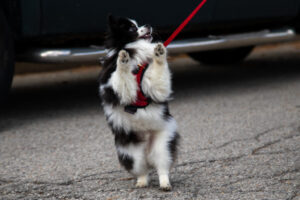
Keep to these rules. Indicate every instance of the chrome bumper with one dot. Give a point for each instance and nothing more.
(92, 54)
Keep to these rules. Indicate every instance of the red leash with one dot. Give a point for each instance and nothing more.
(184, 23)
(141, 100)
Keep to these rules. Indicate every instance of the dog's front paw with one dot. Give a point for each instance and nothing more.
(159, 50)
(123, 57)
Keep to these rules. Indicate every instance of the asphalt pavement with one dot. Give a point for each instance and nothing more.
(240, 128)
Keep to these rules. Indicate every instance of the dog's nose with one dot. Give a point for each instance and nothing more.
(147, 26)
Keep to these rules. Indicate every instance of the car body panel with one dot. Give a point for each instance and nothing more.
(44, 17)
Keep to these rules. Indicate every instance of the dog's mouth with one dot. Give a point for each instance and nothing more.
(146, 36)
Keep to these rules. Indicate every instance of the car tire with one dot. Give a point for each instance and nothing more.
(6, 59)
(223, 56)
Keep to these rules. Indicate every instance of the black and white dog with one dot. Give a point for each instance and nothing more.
(135, 100)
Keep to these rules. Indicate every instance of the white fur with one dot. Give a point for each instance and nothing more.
(147, 121)
(142, 181)
(159, 155)
(157, 81)
(123, 81)
(142, 30)
(134, 22)
(149, 118)
(144, 51)
(137, 152)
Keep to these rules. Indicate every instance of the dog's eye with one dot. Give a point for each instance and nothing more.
(133, 28)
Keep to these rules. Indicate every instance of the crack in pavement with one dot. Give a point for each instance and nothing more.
(256, 137)
(268, 131)
(223, 159)
(62, 183)
(254, 151)
(46, 189)
(277, 152)
(275, 175)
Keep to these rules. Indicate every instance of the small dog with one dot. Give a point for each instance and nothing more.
(135, 100)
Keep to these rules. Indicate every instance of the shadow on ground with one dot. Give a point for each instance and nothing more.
(65, 95)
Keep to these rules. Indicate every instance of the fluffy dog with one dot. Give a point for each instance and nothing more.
(135, 100)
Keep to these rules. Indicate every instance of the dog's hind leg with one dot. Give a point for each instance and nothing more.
(163, 152)
(132, 157)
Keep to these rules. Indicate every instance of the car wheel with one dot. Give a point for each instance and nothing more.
(6, 59)
(223, 56)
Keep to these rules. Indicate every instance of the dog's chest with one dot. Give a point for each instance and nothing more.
(145, 119)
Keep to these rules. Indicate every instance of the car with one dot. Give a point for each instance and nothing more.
(73, 31)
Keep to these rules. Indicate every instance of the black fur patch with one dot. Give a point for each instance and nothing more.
(122, 138)
(166, 112)
(126, 161)
(106, 72)
(121, 31)
(173, 146)
(110, 97)
(131, 52)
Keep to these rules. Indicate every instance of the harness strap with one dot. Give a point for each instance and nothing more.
(141, 100)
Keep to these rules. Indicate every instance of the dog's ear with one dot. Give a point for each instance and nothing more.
(111, 20)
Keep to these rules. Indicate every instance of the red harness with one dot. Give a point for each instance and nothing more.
(141, 100)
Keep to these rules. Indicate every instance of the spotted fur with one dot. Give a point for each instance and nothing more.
(148, 138)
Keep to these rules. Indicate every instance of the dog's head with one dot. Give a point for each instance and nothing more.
(123, 31)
